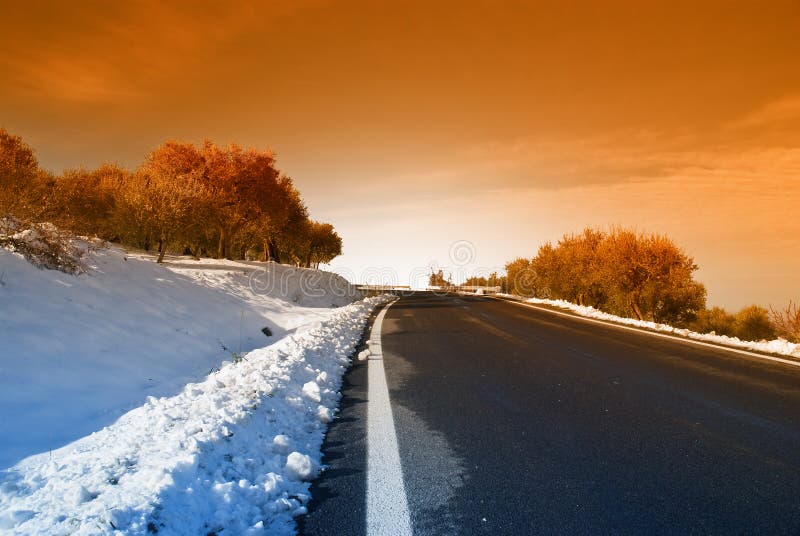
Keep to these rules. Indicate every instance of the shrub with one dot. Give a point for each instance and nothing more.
(715, 320)
(43, 245)
(753, 324)
(787, 322)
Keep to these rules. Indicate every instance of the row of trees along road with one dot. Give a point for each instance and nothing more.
(620, 271)
(644, 276)
(207, 200)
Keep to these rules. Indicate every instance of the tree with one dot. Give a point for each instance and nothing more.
(570, 270)
(492, 280)
(19, 171)
(172, 185)
(521, 276)
(287, 244)
(223, 201)
(85, 201)
(495, 280)
(438, 279)
(621, 272)
(244, 185)
(649, 277)
(324, 244)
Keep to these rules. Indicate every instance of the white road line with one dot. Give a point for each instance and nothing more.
(657, 334)
(387, 506)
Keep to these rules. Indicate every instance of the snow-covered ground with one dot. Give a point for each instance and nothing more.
(231, 450)
(777, 346)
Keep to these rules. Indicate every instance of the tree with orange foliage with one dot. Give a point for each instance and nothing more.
(243, 185)
(622, 272)
(649, 277)
(223, 201)
(522, 278)
(85, 201)
(19, 171)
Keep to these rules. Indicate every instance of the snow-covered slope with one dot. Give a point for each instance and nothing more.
(76, 352)
(229, 455)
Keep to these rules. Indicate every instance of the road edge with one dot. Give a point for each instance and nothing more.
(387, 505)
(749, 353)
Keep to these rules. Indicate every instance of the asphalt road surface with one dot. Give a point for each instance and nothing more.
(511, 420)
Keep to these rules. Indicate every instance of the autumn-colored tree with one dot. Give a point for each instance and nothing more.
(649, 277)
(287, 243)
(19, 171)
(244, 185)
(171, 181)
(323, 244)
(85, 201)
(522, 277)
(571, 269)
(223, 201)
(623, 272)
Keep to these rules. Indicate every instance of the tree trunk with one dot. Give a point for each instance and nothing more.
(221, 244)
(161, 254)
(273, 252)
(635, 307)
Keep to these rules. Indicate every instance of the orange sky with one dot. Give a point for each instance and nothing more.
(412, 125)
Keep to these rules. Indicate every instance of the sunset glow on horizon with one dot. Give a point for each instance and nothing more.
(411, 126)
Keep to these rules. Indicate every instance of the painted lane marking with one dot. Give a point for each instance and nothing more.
(387, 506)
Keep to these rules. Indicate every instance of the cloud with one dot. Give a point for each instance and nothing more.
(117, 52)
(778, 112)
(639, 155)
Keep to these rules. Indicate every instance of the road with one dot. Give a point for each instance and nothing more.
(511, 420)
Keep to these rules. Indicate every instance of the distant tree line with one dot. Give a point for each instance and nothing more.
(492, 280)
(439, 279)
(642, 276)
(207, 200)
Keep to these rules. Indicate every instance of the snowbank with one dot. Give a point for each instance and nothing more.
(231, 453)
(76, 352)
(777, 346)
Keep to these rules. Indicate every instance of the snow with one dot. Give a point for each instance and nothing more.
(123, 354)
(300, 466)
(777, 346)
(79, 351)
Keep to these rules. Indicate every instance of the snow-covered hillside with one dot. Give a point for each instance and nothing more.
(76, 352)
(226, 452)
